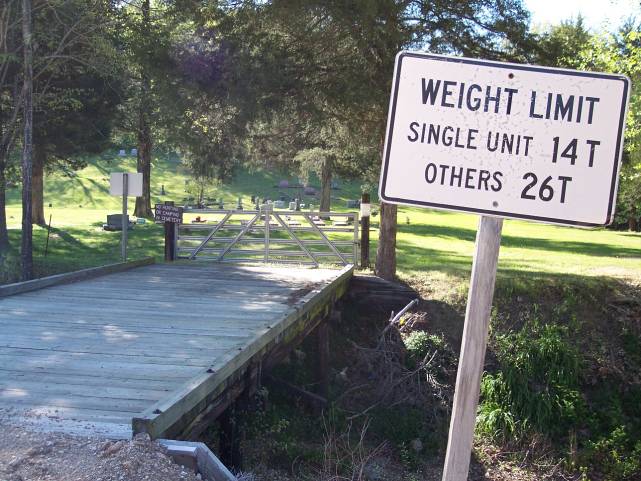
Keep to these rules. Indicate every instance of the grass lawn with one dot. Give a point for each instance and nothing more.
(444, 241)
(82, 198)
(428, 241)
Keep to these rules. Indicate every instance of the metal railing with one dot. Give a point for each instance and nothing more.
(270, 236)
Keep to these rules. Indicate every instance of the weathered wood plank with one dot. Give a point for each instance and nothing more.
(113, 334)
(62, 414)
(471, 362)
(159, 314)
(230, 331)
(95, 364)
(44, 389)
(131, 406)
(138, 293)
(7, 376)
(173, 353)
(131, 310)
(118, 344)
(160, 418)
(27, 286)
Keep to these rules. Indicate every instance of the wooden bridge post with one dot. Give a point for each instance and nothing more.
(230, 453)
(170, 238)
(322, 366)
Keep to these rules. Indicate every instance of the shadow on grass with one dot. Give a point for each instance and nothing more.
(584, 248)
(68, 238)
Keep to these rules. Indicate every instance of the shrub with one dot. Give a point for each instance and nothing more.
(537, 386)
(420, 343)
(616, 456)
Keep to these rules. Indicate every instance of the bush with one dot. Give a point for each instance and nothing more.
(536, 388)
(616, 456)
(420, 343)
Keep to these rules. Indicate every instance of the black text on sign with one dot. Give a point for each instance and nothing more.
(505, 140)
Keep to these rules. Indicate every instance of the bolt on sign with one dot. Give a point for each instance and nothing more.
(503, 141)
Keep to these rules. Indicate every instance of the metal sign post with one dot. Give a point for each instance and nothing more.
(500, 140)
(365, 212)
(125, 218)
(125, 184)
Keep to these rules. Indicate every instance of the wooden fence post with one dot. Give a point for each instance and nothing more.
(170, 238)
(365, 214)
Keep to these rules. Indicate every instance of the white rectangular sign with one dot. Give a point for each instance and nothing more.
(134, 184)
(504, 140)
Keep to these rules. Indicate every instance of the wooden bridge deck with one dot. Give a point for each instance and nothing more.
(155, 345)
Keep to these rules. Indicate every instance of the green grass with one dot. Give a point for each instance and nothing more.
(82, 198)
(432, 241)
(444, 241)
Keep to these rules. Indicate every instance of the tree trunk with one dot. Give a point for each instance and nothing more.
(386, 253)
(4, 233)
(26, 252)
(4, 154)
(326, 185)
(633, 223)
(37, 186)
(143, 203)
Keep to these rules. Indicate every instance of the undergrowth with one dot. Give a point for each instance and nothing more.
(536, 386)
(564, 376)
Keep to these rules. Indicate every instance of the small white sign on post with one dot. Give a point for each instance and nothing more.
(134, 184)
(501, 140)
(126, 185)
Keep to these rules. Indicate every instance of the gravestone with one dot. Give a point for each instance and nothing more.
(114, 222)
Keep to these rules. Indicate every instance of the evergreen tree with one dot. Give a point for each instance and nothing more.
(10, 99)
(327, 62)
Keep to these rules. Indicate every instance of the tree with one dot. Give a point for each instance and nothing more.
(621, 53)
(146, 32)
(331, 61)
(143, 203)
(76, 89)
(10, 100)
(562, 44)
(26, 252)
(68, 47)
(206, 112)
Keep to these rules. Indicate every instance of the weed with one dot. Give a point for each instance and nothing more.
(616, 456)
(537, 386)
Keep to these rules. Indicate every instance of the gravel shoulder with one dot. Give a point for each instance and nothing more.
(27, 455)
